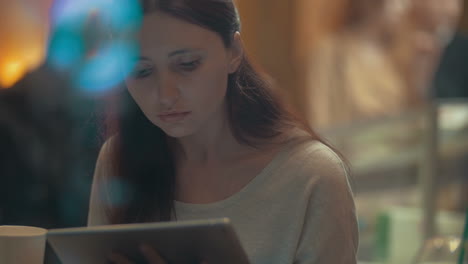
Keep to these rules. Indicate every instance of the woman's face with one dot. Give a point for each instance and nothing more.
(180, 78)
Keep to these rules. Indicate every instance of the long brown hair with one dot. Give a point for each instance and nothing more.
(140, 156)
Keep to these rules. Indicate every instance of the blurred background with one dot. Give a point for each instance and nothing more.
(384, 81)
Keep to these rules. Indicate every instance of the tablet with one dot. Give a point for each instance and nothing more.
(179, 242)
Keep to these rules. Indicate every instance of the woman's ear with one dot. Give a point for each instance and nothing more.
(236, 53)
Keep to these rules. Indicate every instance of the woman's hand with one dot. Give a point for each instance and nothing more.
(151, 255)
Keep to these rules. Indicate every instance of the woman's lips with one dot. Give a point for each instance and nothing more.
(174, 117)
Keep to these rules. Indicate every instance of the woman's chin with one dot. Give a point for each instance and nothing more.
(178, 132)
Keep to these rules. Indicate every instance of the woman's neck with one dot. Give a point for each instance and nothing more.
(212, 144)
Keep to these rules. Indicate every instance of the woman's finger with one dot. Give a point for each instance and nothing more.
(151, 255)
(118, 259)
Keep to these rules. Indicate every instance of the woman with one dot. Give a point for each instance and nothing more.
(378, 60)
(352, 74)
(202, 136)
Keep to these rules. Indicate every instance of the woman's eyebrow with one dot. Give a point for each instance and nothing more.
(172, 54)
(182, 51)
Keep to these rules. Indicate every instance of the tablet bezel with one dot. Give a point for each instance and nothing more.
(180, 242)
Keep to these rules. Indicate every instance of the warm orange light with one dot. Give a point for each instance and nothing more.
(11, 72)
(24, 32)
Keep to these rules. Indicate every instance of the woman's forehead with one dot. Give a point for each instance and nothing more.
(164, 31)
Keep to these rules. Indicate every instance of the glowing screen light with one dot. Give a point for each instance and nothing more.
(92, 39)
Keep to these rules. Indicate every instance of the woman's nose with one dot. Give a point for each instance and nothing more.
(168, 92)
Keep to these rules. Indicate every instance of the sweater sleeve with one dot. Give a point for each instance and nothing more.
(96, 213)
(330, 231)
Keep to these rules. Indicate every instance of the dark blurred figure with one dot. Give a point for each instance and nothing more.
(452, 76)
(48, 144)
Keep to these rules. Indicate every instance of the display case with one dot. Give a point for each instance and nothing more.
(408, 169)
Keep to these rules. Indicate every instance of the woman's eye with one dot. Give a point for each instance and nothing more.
(141, 73)
(189, 66)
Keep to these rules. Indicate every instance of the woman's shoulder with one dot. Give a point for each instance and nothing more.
(317, 154)
(312, 148)
(312, 161)
(99, 194)
(103, 164)
(108, 146)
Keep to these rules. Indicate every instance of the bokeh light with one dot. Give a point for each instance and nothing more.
(107, 67)
(66, 48)
(11, 72)
(24, 32)
(92, 39)
(120, 192)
